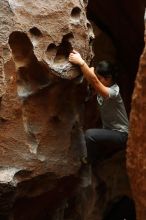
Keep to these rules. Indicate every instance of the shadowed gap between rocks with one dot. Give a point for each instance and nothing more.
(123, 209)
(118, 21)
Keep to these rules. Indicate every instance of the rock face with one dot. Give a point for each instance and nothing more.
(40, 114)
(137, 140)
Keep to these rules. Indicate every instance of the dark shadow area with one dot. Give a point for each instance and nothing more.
(124, 209)
(75, 14)
(123, 22)
(35, 32)
(51, 51)
(4, 217)
(20, 45)
(49, 205)
(64, 49)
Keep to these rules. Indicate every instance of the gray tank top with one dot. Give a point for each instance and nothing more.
(112, 110)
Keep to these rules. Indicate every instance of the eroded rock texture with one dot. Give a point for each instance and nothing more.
(41, 101)
(136, 153)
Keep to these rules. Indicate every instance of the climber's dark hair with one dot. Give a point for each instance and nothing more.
(107, 69)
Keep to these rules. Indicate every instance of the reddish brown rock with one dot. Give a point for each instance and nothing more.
(37, 115)
(136, 152)
(40, 122)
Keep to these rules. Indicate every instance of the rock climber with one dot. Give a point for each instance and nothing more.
(112, 137)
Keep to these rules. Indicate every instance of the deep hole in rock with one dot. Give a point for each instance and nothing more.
(76, 12)
(91, 40)
(31, 74)
(51, 47)
(68, 37)
(90, 32)
(89, 26)
(51, 51)
(20, 45)
(62, 52)
(64, 49)
(35, 32)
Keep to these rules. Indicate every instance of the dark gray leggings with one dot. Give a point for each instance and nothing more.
(102, 143)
